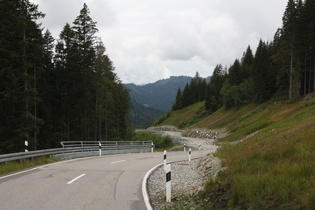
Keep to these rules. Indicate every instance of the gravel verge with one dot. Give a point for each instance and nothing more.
(187, 179)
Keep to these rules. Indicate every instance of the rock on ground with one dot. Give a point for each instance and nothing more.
(188, 178)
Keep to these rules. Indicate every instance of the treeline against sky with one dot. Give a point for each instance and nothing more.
(56, 90)
(281, 69)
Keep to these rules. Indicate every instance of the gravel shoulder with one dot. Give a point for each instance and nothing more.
(188, 178)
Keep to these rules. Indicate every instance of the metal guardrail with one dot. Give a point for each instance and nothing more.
(71, 149)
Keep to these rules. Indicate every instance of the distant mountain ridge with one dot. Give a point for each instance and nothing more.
(159, 96)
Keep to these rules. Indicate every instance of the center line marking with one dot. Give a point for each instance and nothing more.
(75, 179)
(118, 161)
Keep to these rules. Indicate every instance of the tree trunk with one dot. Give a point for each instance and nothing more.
(26, 97)
(310, 77)
(100, 124)
(291, 74)
(35, 109)
(106, 121)
(305, 72)
(96, 117)
(314, 75)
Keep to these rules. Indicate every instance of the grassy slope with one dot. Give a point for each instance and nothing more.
(14, 166)
(275, 168)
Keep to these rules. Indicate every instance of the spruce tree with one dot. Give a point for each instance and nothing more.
(246, 63)
(263, 74)
(178, 101)
(235, 73)
(213, 98)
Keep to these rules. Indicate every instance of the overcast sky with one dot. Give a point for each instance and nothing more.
(148, 40)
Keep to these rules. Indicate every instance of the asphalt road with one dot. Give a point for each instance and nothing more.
(108, 182)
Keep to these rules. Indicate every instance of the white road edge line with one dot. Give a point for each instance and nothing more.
(144, 187)
(43, 166)
(119, 161)
(75, 179)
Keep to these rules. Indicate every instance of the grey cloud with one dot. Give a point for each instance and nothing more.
(148, 40)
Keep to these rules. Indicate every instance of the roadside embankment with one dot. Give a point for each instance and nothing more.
(188, 180)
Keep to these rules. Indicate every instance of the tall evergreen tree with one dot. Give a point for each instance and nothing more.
(263, 74)
(235, 73)
(246, 63)
(309, 18)
(289, 29)
(46, 106)
(178, 101)
(213, 99)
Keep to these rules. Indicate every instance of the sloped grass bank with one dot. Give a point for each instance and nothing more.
(269, 156)
(14, 166)
(183, 118)
(274, 168)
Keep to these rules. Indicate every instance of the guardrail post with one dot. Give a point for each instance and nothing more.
(26, 146)
(100, 148)
(168, 183)
(189, 156)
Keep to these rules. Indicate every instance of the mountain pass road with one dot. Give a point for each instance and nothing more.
(107, 182)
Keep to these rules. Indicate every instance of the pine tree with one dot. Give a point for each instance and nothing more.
(47, 106)
(309, 18)
(84, 29)
(213, 98)
(263, 74)
(246, 63)
(178, 101)
(290, 22)
(235, 73)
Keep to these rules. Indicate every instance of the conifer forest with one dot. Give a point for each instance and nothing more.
(278, 70)
(54, 90)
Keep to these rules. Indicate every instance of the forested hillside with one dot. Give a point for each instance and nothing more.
(53, 90)
(152, 100)
(143, 116)
(281, 69)
(160, 94)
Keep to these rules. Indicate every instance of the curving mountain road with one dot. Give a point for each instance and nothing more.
(108, 182)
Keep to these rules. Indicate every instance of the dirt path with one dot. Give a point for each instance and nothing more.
(201, 143)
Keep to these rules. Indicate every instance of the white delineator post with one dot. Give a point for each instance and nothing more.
(26, 146)
(164, 159)
(168, 183)
(189, 156)
(100, 148)
(184, 147)
(152, 147)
